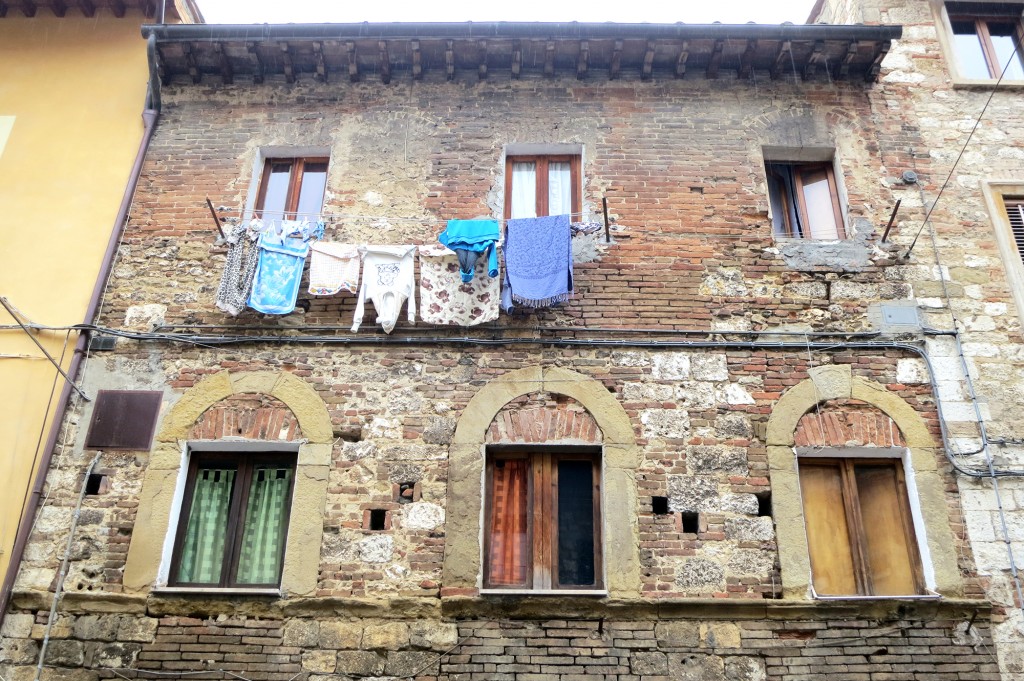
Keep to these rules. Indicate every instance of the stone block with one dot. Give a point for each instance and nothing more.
(65, 653)
(700, 575)
(116, 655)
(677, 634)
(388, 636)
(745, 669)
(17, 625)
(433, 635)
(360, 663)
(376, 549)
(750, 529)
(671, 366)
(720, 635)
(423, 516)
(337, 635)
(141, 629)
(691, 493)
(302, 633)
(665, 424)
(751, 563)
(97, 628)
(683, 667)
(715, 459)
(709, 367)
(319, 661)
(439, 430)
(411, 663)
(18, 650)
(647, 663)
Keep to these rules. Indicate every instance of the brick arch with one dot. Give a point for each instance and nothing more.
(828, 387)
(202, 409)
(544, 417)
(620, 459)
(847, 423)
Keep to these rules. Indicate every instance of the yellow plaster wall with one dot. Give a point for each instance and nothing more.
(71, 99)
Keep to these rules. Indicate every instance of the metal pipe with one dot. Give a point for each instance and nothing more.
(150, 117)
(517, 29)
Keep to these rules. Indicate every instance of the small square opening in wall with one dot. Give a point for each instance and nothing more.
(690, 521)
(376, 519)
(97, 484)
(659, 505)
(407, 492)
(764, 504)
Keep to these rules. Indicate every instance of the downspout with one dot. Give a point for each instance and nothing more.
(149, 118)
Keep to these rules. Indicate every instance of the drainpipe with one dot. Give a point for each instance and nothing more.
(149, 119)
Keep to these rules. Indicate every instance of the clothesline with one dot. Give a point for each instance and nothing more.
(333, 217)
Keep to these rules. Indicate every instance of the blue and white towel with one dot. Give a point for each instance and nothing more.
(276, 285)
(538, 262)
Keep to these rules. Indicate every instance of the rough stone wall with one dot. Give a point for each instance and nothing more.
(682, 168)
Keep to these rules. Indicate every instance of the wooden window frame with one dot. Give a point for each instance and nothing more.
(298, 167)
(542, 161)
(788, 198)
(244, 463)
(855, 525)
(542, 546)
(981, 30)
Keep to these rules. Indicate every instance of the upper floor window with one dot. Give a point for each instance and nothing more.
(541, 185)
(234, 520)
(543, 519)
(292, 188)
(986, 39)
(804, 198)
(860, 532)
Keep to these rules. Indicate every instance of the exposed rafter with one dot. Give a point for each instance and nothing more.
(582, 62)
(549, 59)
(226, 72)
(482, 70)
(684, 54)
(812, 62)
(118, 8)
(190, 59)
(876, 64)
(58, 7)
(385, 62)
(648, 65)
(28, 8)
(616, 61)
(353, 62)
(782, 56)
(258, 70)
(747, 60)
(88, 7)
(3, 9)
(148, 8)
(321, 65)
(716, 59)
(417, 60)
(449, 59)
(517, 59)
(851, 53)
(289, 65)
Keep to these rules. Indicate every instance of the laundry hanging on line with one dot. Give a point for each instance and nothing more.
(446, 299)
(538, 262)
(472, 239)
(388, 281)
(333, 268)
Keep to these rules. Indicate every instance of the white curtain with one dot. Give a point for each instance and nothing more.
(524, 190)
(559, 189)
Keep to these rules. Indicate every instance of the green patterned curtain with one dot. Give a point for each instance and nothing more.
(263, 534)
(202, 555)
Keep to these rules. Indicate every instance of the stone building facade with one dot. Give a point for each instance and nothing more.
(736, 385)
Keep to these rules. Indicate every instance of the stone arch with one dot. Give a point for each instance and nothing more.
(620, 459)
(163, 473)
(836, 382)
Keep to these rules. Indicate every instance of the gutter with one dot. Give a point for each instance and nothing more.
(516, 29)
(150, 115)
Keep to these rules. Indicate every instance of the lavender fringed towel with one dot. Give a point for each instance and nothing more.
(538, 262)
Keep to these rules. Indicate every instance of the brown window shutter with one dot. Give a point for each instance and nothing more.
(1015, 211)
(124, 419)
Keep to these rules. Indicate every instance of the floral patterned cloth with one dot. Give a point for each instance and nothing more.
(446, 299)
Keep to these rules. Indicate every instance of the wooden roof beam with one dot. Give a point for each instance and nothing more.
(385, 62)
(3, 9)
(417, 60)
(321, 64)
(449, 59)
(549, 59)
(148, 8)
(616, 61)
(684, 55)
(747, 60)
(353, 62)
(783, 55)
(582, 62)
(226, 72)
(118, 8)
(289, 65)
(88, 8)
(190, 60)
(716, 59)
(817, 53)
(58, 7)
(28, 8)
(851, 54)
(482, 69)
(258, 70)
(881, 49)
(648, 66)
(517, 59)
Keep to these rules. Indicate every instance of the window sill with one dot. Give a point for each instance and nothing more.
(599, 593)
(985, 84)
(908, 597)
(216, 591)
